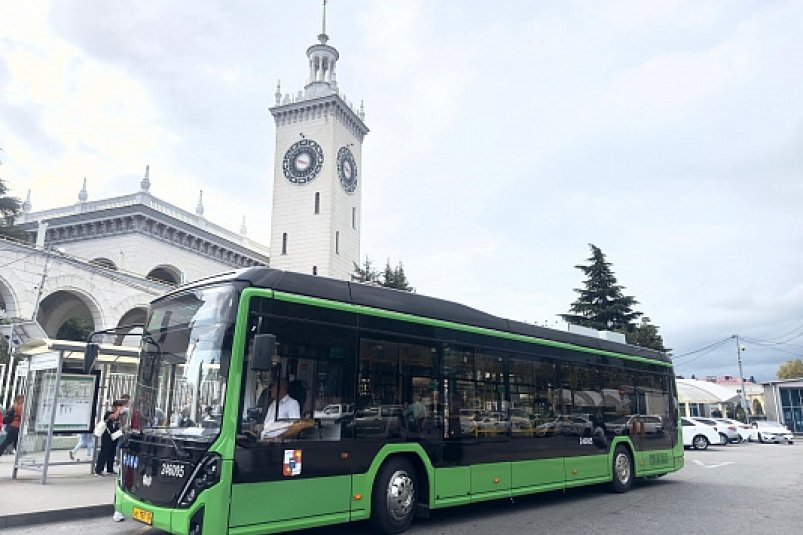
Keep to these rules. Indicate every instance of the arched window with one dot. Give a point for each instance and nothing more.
(166, 274)
(104, 263)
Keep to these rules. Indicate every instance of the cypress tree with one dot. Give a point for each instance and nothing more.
(601, 304)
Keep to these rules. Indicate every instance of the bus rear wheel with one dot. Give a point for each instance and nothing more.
(393, 501)
(622, 470)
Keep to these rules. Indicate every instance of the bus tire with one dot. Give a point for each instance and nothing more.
(622, 470)
(393, 502)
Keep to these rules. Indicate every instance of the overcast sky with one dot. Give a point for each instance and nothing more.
(505, 137)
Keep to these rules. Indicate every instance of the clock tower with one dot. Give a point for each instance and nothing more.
(317, 176)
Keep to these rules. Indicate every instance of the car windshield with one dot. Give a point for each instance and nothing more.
(184, 362)
(768, 423)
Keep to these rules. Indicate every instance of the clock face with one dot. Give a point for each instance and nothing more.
(347, 169)
(302, 162)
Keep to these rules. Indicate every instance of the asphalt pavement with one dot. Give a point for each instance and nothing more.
(748, 488)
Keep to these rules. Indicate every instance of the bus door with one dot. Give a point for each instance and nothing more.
(292, 458)
(580, 425)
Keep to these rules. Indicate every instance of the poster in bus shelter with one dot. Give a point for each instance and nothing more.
(73, 403)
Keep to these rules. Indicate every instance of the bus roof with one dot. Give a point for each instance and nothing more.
(389, 299)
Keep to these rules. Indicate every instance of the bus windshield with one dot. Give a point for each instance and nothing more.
(186, 347)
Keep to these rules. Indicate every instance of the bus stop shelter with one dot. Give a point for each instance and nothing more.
(59, 397)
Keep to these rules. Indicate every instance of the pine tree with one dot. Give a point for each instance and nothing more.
(395, 278)
(645, 334)
(367, 273)
(601, 304)
(9, 208)
(388, 277)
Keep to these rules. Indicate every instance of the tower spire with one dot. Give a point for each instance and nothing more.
(323, 58)
(323, 37)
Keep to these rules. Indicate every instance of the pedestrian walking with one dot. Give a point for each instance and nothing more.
(12, 421)
(85, 440)
(108, 439)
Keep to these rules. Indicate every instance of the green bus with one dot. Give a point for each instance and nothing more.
(390, 405)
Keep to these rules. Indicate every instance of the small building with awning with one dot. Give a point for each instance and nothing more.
(699, 398)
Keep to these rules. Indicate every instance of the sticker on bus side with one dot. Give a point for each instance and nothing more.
(292, 463)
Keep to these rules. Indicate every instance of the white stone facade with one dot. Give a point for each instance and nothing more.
(108, 295)
(105, 260)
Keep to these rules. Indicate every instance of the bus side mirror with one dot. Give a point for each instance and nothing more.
(90, 356)
(262, 353)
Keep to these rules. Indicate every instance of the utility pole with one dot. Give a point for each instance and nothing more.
(739, 350)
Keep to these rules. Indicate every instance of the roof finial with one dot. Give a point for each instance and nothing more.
(199, 210)
(243, 228)
(26, 206)
(83, 195)
(145, 184)
(323, 37)
(278, 94)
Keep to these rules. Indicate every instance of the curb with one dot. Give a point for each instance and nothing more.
(55, 515)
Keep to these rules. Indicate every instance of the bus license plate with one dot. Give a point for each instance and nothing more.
(143, 516)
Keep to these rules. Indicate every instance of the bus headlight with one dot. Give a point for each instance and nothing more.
(206, 475)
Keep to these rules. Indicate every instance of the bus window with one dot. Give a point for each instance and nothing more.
(309, 378)
(531, 396)
(476, 393)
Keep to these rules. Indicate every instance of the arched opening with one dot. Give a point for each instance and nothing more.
(104, 263)
(166, 274)
(8, 306)
(65, 314)
(135, 316)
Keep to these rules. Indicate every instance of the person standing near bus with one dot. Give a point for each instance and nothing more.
(108, 444)
(12, 421)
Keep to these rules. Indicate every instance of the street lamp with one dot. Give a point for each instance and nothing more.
(739, 349)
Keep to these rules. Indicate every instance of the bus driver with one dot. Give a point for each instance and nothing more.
(277, 423)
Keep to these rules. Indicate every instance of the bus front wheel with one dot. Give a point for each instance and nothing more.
(394, 497)
(622, 470)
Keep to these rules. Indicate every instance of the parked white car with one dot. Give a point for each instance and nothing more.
(726, 433)
(698, 435)
(770, 431)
